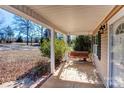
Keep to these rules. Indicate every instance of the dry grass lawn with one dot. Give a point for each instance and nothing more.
(14, 63)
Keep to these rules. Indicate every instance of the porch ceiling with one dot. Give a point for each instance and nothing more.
(68, 19)
(72, 19)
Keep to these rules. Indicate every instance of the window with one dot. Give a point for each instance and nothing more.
(96, 39)
(120, 29)
(97, 43)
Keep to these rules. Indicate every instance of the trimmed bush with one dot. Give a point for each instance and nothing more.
(45, 47)
(60, 49)
(82, 43)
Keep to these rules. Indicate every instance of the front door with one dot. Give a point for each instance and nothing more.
(117, 53)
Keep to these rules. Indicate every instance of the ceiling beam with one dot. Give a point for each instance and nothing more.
(30, 14)
(108, 17)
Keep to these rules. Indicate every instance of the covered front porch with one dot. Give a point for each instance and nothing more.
(74, 20)
(74, 74)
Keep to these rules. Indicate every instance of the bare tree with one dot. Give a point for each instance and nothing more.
(2, 34)
(40, 30)
(23, 26)
(9, 33)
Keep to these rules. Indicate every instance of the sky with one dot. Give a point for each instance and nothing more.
(8, 19)
(7, 16)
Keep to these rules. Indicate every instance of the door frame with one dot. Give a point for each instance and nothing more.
(110, 32)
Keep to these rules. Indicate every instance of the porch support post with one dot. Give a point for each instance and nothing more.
(66, 53)
(65, 38)
(52, 55)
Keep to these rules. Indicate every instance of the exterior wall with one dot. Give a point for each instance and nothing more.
(101, 65)
(114, 19)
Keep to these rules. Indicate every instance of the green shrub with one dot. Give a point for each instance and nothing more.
(60, 49)
(45, 47)
(82, 43)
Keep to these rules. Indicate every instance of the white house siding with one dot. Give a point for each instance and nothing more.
(101, 65)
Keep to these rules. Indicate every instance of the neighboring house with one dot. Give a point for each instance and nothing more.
(46, 33)
(59, 36)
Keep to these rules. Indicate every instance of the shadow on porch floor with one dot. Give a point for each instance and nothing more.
(74, 74)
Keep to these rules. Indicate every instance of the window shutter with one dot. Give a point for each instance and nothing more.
(99, 46)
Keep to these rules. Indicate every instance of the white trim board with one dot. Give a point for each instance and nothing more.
(116, 16)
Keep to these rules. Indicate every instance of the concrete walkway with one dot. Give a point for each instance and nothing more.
(74, 74)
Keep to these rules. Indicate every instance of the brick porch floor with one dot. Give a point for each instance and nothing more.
(74, 74)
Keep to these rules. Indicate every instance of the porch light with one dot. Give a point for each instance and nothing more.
(102, 29)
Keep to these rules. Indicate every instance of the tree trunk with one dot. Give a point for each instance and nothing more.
(27, 35)
(31, 41)
(10, 39)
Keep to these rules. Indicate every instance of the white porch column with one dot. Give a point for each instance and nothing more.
(66, 53)
(65, 38)
(52, 51)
